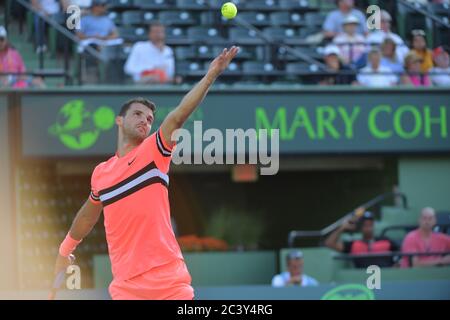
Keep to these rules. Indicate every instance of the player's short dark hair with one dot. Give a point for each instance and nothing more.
(127, 105)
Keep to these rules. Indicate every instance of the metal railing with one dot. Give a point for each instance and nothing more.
(69, 36)
(294, 234)
(418, 8)
(393, 255)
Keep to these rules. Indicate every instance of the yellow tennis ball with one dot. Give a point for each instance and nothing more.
(229, 10)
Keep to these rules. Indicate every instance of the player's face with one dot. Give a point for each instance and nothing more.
(137, 122)
(295, 267)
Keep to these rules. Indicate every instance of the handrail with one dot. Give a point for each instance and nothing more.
(425, 13)
(398, 254)
(388, 254)
(320, 233)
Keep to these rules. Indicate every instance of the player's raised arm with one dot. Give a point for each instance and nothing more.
(177, 117)
(83, 223)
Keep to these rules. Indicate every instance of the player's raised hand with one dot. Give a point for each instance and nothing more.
(221, 62)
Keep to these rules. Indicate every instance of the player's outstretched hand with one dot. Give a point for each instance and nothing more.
(221, 62)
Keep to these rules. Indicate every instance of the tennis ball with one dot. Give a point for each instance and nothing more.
(229, 10)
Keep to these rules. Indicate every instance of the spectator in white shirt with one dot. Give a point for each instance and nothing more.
(374, 74)
(294, 276)
(350, 44)
(333, 22)
(440, 74)
(151, 61)
(389, 57)
(377, 37)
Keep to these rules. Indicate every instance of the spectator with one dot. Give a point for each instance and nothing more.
(333, 22)
(350, 43)
(440, 75)
(419, 47)
(423, 240)
(368, 244)
(340, 74)
(413, 73)
(10, 61)
(378, 36)
(294, 276)
(389, 57)
(97, 25)
(49, 8)
(374, 74)
(151, 61)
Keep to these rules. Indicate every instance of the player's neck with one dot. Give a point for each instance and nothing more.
(124, 146)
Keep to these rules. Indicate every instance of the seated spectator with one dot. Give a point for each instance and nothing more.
(335, 67)
(49, 8)
(97, 25)
(389, 57)
(413, 73)
(419, 47)
(440, 75)
(151, 61)
(368, 244)
(378, 36)
(294, 276)
(333, 22)
(374, 74)
(350, 43)
(423, 240)
(10, 61)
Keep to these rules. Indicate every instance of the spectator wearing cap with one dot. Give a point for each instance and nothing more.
(363, 220)
(340, 74)
(97, 24)
(375, 74)
(413, 74)
(423, 240)
(10, 62)
(389, 57)
(440, 74)
(377, 37)
(49, 8)
(419, 47)
(294, 275)
(334, 20)
(350, 43)
(151, 61)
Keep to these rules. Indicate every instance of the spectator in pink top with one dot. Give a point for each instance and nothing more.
(413, 73)
(424, 240)
(10, 62)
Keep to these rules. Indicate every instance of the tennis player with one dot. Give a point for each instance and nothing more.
(131, 189)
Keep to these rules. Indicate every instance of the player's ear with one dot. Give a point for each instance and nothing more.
(119, 120)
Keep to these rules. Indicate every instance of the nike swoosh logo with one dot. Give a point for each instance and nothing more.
(130, 162)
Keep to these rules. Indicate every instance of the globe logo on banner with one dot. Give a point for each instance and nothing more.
(349, 292)
(78, 127)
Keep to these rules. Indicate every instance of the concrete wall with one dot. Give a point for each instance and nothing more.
(426, 181)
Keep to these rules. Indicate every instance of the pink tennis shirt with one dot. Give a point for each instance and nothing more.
(414, 242)
(134, 194)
